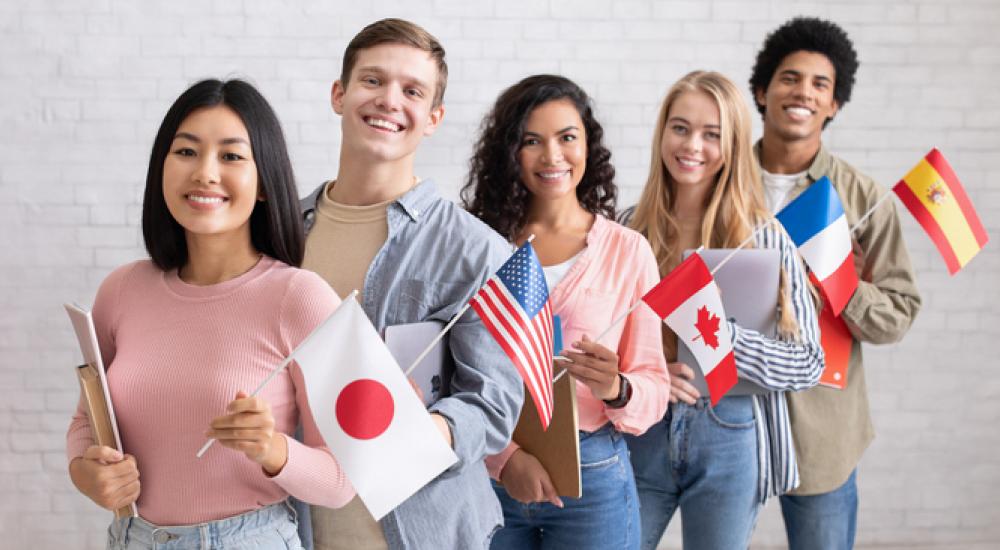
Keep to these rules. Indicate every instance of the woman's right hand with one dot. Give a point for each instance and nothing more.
(106, 476)
(526, 481)
(680, 388)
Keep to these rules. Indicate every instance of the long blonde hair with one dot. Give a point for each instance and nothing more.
(735, 207)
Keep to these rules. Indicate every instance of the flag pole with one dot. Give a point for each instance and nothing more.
(281, 366)
(871, 210)
(446, 328)
(742, 244)
(613, 324)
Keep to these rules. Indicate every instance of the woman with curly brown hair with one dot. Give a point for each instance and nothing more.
(540, 168)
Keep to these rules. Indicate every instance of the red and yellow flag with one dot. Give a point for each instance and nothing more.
(936, 198)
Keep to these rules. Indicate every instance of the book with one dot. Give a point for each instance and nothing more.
(94, 389)
(433, 374)
(837, 342)
(558, 447)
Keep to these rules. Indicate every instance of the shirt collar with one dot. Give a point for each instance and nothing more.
(417, 200)
(819, 167)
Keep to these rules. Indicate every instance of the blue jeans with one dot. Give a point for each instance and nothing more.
(269, 528)
(605, 516)
(703, 460)
(825, 521)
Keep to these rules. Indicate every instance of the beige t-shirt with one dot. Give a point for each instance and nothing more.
(344, 240)
(340, 248)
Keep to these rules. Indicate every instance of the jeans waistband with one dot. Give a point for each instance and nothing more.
(226, 528)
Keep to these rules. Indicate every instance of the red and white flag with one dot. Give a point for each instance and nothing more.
(515, 308)
(688, 301)
(369, 416)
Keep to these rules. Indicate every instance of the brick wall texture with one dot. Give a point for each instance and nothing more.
(83, 86)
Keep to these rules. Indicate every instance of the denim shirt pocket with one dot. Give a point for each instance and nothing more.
(421, 300)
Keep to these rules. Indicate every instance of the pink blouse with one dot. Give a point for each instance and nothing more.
(614, 271)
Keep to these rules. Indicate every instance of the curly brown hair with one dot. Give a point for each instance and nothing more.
(493, 190)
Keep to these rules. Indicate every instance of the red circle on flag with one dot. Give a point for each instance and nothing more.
(364, 409)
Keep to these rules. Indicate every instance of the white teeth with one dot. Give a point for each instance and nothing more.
(384, 124)
(798, 111)
(205, 200)
(689, 163)
(552, 175)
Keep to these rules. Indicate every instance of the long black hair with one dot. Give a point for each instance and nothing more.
(275, 223)
(493, 190)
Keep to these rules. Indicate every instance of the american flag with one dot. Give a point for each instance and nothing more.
(514, 306)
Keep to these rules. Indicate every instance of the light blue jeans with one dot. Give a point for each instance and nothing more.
(703, 460)
(269, 528)
(606, 516)
(827, 521)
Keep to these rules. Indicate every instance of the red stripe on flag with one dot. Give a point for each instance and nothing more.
(687, 278)
(534, 347)
(532, 350)
(486, 309)
(930, 225)
(722, 378)
(940, 164)
(839, 286)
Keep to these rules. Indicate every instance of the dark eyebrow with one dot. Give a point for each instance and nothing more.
(566, 129)
(196, 139)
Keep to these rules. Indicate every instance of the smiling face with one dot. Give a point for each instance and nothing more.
(387, 106)
(209, 175)
(553, 151)
(691, 146)
(799, 98)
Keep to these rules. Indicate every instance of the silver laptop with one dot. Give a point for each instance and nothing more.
(749, 284)
(433, 374)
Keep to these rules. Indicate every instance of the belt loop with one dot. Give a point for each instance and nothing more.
(292, 511)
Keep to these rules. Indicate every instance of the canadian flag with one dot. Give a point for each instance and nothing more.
(369, 416)
(688, 301)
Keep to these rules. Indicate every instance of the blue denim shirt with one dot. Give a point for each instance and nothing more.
(436, 257)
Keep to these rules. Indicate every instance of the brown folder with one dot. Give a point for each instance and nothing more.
(558, 448)
(97, 412)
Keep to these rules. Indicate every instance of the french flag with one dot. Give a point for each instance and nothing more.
(816, 222)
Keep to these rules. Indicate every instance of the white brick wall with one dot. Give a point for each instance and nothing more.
(83, 86)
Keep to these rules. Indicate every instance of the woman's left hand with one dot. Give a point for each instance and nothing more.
(596, 366)
(249, 428)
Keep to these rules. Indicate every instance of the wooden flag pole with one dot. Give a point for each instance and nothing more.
(447, 327)
(281, 366)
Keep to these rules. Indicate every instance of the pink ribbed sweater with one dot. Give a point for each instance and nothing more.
(177, 354)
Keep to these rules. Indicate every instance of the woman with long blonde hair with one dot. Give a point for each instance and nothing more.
(719, 464)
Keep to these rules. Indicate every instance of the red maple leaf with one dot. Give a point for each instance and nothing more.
(708, 327)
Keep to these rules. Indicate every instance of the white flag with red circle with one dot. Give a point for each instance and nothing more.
(688, 301)
(369, 416)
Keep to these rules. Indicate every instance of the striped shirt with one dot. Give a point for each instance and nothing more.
(781, 365)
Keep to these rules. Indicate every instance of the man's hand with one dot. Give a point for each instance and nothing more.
(526, 481)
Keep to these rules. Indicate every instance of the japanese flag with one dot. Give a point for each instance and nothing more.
(369, 416)
(688, 301)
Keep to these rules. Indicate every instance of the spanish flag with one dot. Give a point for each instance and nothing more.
(935, 197)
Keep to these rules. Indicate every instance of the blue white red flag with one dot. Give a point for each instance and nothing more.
(816, 222)
(514, 306)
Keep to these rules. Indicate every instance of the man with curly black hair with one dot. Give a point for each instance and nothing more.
(803, 76)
